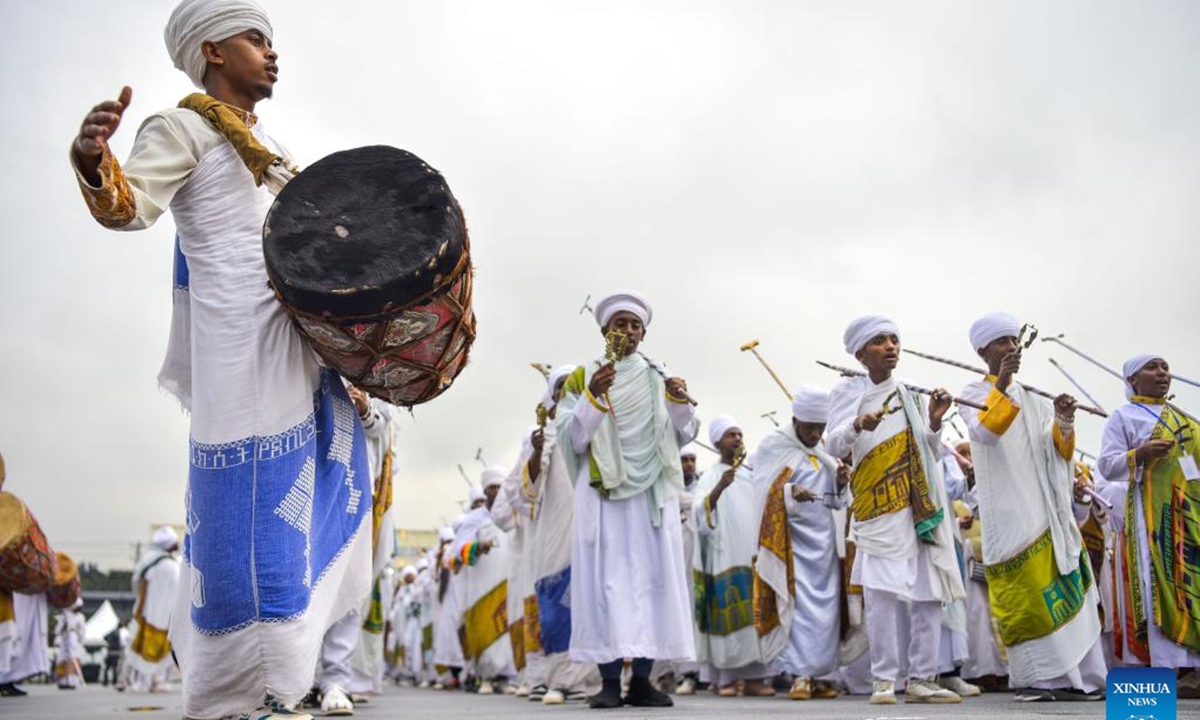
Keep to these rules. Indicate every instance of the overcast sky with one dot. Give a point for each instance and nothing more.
(763, 170)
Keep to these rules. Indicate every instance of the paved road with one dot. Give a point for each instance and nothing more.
(48, 703)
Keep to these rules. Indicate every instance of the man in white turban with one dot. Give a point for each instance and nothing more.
(905, 559)
(1022, 447)
(277, 546)
(799, 575)
(682, 677)
(627, 420)
(726, 519)
(1155, 448)
(156, 583)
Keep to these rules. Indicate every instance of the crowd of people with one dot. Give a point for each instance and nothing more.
(855, 549)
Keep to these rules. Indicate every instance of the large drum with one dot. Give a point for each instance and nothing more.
(66, 589)
(367, 250)
(26, 562)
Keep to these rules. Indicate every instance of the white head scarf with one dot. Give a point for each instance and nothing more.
(623, 300)
(718, 426)
(863, 330)
(456, 523)
(493, 477)
(556, 374)
(1131, 368)
(446, 534)
(990, 328)
(195, 21)
(423, 563)
(165, 538)
(408, 571)
(689, 450)
(475, 496)
(811, 404)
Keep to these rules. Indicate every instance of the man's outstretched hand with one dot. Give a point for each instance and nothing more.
(97, 128)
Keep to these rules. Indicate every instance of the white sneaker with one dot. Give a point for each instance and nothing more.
(522, 691)
(554, 697)
(883, 692)
(485, 688)
(921, 690)
(961, 687)
(334, 701)
(687, 687)
(424, 685)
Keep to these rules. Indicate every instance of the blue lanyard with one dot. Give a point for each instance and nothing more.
(1175, 431)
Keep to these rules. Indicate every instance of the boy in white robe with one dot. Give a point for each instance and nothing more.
(1154, 448)
(905, 546)
(799, 614)
(266, 568)
(155, 582)
(1039, 578)
(726, 516)
(629, 594)
(69, 630)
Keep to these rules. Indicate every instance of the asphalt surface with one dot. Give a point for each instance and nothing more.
(94, 701)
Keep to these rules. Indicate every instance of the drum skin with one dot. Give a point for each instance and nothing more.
(27, 564)
(66, 589)
(367, 250)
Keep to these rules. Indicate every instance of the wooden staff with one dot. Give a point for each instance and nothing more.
(1074, 382)
(981, 371)
(752, 346)
(923, 391)
(1059, 339)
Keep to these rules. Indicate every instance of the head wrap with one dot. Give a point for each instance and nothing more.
(77, 604)
(423, 563)
(165, 538)
(865, 329)
(623, 300)
(556, 374)
(408, 571)
(1131, 368)
(456, 523)
(718, 426)
(446, 535)
(811, 404)
(493, 477)
(688, 450)
(475, 496)
(990, 328)
(194, 22)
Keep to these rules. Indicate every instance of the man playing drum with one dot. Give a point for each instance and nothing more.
(266, 568)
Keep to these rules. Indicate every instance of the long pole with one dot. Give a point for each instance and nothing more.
(980, 371)
(923, 391)
(1074, 382)
(752, 346)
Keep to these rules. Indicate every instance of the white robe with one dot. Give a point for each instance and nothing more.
(160, 571)
(266, 567)
(1023, 462)
(727, 542)
(629, 586)
(1128, 427)
(26, 652)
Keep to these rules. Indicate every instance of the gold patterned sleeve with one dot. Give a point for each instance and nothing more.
(134, 196)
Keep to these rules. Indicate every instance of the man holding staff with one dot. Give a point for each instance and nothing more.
(1157, 449)
(905, 546)
(278, 503)
(1040, 581)
(629, 586)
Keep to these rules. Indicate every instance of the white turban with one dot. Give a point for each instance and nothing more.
(623, 300)
(423, 563)
(446, 535)
(194, 22)
(493, 477)
(475, 496)
(688, 450)
(1131, 368)
(165, 537)
(718, 426)
(408, 571)
(990, 328)
(811, 404)
(865, 329)
(456, 523)
(556, 374)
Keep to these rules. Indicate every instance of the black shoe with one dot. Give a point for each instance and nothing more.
(11, 690)
(1034, 695)
(608, 697)
(312, 699)
(1077, 695)
(643, 694)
